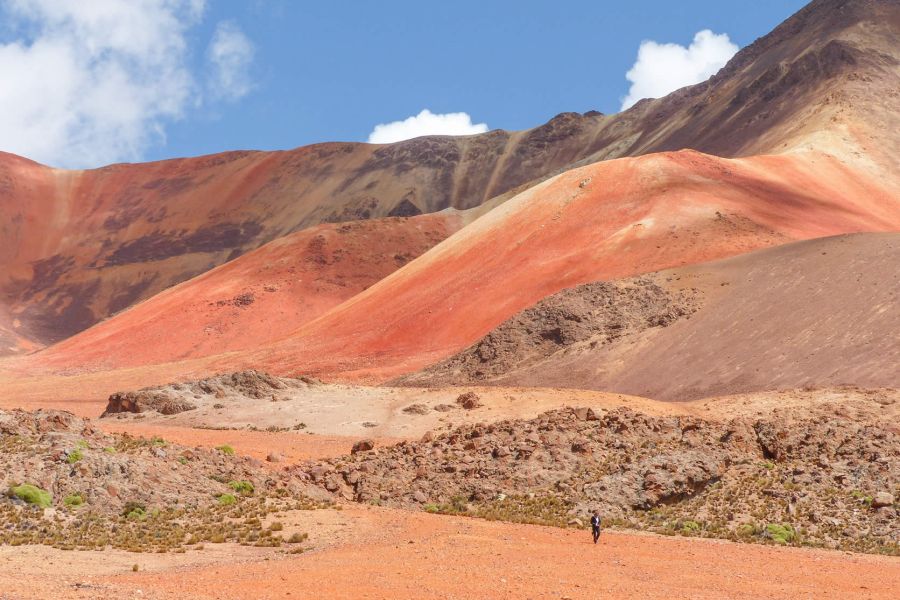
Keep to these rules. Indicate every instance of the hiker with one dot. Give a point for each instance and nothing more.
(595, 525)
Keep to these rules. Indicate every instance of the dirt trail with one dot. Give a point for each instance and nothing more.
(421, 555)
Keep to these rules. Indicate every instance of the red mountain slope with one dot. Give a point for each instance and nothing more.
(256, 298)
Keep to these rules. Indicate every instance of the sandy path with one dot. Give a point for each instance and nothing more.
(292, 446)
(416, 555)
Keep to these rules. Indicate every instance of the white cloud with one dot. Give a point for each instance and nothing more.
(85, 83)
(231, 54)
(426, 123)
(664, 68)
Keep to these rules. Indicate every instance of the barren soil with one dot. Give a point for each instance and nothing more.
(396, 554)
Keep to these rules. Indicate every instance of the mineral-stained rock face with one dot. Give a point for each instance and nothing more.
(817, 470)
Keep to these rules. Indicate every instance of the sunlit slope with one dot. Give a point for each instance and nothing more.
(607, 220)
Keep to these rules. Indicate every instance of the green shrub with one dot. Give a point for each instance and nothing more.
(862, 497)
(227, 499)
(82, 445)
(74, 456)
(73, 500)
(746, 530)
(134, 511)
(458, 504)
(432, 508)
(690, 527)
(32, 495)
(780, 534)
(109, 450)
(241, 487)
(158, 442)
(225, 449)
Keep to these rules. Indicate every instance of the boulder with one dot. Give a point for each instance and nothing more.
(882, 499)
(469, 400)
(363, 446)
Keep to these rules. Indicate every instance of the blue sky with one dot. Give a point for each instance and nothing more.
(321, 71)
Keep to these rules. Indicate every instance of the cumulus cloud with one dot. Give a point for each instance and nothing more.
(88, 83)
(231, 54)
(426, 123)
(664, 68)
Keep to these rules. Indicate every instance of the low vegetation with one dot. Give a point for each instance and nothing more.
(32, 494)
(157, 530)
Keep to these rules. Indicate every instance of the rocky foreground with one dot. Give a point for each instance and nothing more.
(823, 476)
(67, 484)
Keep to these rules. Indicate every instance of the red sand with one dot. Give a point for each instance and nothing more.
(398, 555)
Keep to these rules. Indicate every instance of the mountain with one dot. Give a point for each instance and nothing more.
(811, 313)
(794, 139)
(83, 245)
(256, 298)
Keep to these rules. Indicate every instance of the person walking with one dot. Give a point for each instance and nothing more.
(595, 525)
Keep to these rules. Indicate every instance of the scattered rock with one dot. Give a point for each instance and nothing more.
(469, 400)
(180, 397)
(882, 499)
(657, 472)
(363, 446)
(585, 414)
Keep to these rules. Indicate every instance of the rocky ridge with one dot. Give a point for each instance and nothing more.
(175, 398)
(588, 315)
(827, 476)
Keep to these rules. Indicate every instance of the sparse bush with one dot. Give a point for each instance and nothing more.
(225, 449)
(780, 534)
(32, 495)
(73, 500)
(227, 499)
(276, 526)
(134, 511)
(74, 456)
(746, 531)
(690, 527)
(241, 487)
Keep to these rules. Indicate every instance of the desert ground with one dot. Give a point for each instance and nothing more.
(377, 553)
